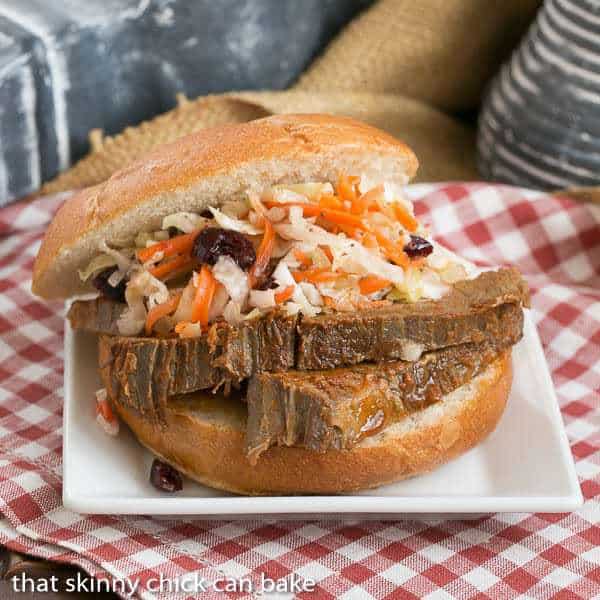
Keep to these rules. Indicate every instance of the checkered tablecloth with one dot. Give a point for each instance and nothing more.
(556, 244)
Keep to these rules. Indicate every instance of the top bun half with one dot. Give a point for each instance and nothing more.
(206, 169)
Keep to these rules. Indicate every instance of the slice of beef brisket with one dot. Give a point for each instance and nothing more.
(474, 311)
(98, 316)
(143, 372)
(336, 409)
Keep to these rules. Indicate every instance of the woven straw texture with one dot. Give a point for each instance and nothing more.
(403, 66)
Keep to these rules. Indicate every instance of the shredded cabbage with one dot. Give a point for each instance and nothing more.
(151, 287)
(285, 196)
(227, 272)
(184, 221)
(441, 257)
(123, 261)
(131, 321)
(101, 262)
(292, 308)
(452, 273)
(413, 285)
(276, 214)
(186, 304)
(262, 299)
(283, 276)
(141, 285)
(306, 307)
(116, 278)
(312, 293)
(234, 224)
(344, 299)
(218, 303)
(319, 258)
(232, 313)
(256, 204)
(433, 287)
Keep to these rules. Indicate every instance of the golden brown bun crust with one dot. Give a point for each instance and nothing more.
(205, 168)
(211, 450)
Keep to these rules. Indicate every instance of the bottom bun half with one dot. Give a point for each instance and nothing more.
(204, 438)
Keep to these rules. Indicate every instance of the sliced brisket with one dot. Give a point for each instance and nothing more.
(98, 316)
(474, 311)
(335, 409)
(144, 372)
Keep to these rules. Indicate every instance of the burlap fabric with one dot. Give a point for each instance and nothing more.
(404, 66)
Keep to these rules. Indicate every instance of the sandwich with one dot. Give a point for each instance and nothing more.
(272, 317)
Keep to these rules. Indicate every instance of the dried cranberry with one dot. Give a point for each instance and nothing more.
(100, 282)
(164, 477)
(418, 247)
(206, 214)
(214, 242)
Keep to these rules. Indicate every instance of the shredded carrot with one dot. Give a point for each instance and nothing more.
(162, 310)
(392, 251)
(327, 226)
(369, 241)
(371, 284)
(342, 218)
(318, 275)
(166, 268)
(328, 253)
(205, 291)
(362, 204)
(104, 408)
(346, 187)
(351, 232)
(329, 201)
(308, 209)
(302, 258)
(405, 218)
(263, 255)
(181, 244)
(284, 295)
(397, 257)
(337, 217)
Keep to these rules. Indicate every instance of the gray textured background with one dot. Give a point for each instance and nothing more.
(67, 66)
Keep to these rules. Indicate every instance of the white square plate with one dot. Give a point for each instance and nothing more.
(524, 466)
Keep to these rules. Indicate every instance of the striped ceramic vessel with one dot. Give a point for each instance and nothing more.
(540, 122)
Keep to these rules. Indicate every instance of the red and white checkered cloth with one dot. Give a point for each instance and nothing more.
(556, 244)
